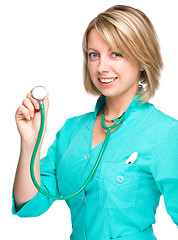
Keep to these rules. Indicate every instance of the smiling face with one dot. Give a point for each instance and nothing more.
(111, 73)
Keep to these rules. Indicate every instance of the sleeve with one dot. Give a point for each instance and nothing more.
(39, 204)
(165, 169)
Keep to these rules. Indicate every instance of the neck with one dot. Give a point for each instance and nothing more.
(116, 106)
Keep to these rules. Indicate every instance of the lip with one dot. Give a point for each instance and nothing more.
(107, 84)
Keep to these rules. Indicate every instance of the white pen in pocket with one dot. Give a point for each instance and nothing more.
(132, 158)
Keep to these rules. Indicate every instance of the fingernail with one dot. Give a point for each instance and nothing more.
(37, 106)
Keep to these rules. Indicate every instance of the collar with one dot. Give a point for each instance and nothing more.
(133, 106)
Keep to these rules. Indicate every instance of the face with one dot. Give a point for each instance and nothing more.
(110, 72)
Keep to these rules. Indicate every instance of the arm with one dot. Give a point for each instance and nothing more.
(39, 204)
(164, 168)
(28, 118)
(24, 189)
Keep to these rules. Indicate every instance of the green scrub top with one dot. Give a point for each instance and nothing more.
(120, 201)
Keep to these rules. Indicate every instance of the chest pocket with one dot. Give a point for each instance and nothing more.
(118, 185)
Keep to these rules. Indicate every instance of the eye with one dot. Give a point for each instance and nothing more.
(116, 55)
(92, 55)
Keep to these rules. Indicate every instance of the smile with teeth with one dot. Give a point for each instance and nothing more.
(107, 80)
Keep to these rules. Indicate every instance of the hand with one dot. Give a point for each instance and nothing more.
(28, 118)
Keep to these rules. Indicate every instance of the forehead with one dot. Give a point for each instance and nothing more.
(95, 40)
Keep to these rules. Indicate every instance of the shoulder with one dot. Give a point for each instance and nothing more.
(157, 127)
(163, 137)
(164, 129)
(160, 119)
(71, 128)
(73, 124)
(80, 119)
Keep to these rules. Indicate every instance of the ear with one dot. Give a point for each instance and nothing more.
(142, 68)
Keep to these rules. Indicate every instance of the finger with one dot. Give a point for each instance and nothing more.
(28, 104)
(22, 112)
(34, 101)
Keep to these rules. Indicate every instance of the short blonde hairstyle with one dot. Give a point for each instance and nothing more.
(128, 31)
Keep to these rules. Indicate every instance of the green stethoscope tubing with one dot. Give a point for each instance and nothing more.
(94, 168)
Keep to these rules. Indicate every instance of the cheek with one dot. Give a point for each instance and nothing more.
(119, 67)
(92, 68)
(127, 71)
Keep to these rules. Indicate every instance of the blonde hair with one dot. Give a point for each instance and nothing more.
(129, 31)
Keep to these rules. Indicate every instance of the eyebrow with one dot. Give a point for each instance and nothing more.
(97, 50)
(92, 49)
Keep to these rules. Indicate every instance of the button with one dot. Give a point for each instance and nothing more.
(87, 156)
(120, 178)
(83, 198)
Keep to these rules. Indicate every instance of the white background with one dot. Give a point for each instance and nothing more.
(40, 43)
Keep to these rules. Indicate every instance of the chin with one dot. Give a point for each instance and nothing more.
(111, 93)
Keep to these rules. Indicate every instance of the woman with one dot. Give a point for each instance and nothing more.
(122, 64)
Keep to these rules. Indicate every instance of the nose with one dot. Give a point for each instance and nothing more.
(103, 65)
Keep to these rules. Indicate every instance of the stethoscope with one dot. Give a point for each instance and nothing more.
(39, 93)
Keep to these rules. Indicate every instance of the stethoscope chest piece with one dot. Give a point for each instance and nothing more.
(39, 93)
